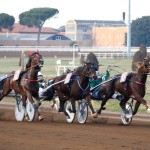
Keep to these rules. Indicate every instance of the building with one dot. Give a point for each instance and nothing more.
(27, 36)
(90, 32)
(109, 36)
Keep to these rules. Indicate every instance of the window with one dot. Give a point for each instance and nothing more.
(58, 38)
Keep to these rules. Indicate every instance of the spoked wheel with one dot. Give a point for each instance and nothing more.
(82, 111)
(126, 116)
(30, 110)
(19, 112)
(68, 109)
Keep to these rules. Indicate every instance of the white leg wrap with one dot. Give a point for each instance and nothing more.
(148, 110)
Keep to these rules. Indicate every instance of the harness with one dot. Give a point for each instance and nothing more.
(76, 78)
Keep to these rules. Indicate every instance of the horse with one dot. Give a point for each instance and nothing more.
(27, 84)
(133, 87)
(77, 88)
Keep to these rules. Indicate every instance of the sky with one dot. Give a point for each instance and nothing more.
(78, 9)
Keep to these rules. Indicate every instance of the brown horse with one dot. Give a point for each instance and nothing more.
(27, 85)
(134, 86)
(78, 87)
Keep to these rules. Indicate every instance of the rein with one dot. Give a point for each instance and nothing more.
(81, 86)
(139, 83)
(28, 79)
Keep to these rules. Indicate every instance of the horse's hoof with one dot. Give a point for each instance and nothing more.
(103, 108)
(52, 105)
(95, 115)
(40, 118)
(148, 110)
(26, 118)
(35, 106)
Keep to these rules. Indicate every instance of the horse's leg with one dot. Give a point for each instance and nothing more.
(88, 100)
(123, 104)
(73, 105)
(40, 118)
(36, 106)
(105, 94)
(102, 105)
(24, 98)
(106, 97)
(136, 107)
(144, 102)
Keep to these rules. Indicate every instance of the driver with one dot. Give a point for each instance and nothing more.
(101, 78)
(41, 82)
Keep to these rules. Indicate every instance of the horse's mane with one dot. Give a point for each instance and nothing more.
(78, 70)
(28, 65)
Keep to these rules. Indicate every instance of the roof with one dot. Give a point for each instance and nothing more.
(24, 36)
(18, 28)
(102, 22)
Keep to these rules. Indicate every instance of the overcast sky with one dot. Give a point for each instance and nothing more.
(79, 9)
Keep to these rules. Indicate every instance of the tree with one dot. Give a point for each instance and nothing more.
(36, 17)
(140, 31)
(6, 21)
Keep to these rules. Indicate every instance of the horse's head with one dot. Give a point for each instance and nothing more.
(144, 66)
(35, 60)
(90, 69)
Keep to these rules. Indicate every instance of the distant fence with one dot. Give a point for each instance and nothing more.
(55, 51)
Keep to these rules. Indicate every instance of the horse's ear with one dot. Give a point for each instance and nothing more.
(30, 53)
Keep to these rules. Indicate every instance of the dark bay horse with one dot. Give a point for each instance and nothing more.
(78, 87)
(28, 85)
(134, 86)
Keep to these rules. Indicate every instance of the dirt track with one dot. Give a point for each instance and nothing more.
(54, 133)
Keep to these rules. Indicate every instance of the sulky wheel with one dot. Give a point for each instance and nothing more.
(19, 111)
(82, 111)
(126, 116)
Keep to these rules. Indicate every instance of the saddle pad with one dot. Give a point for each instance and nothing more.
(16, 75)
(68, 77)
(123, 76)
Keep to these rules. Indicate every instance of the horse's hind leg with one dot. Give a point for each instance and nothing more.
(36, 106)
(102, 105)
(73, 105)
(143, 101)
(88, 99)
(24, 107)
(25, 111)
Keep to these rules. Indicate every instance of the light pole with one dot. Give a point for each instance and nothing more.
(74, 48)
(129, 31)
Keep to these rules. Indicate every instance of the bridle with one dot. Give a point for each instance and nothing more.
(38, 64)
